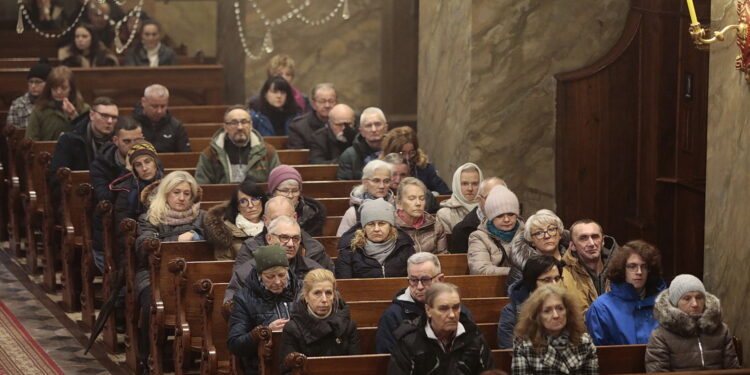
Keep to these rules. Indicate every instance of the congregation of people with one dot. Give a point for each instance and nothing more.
(570, 289)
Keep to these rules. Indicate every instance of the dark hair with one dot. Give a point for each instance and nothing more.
(102, 100)
(149, 21)
(650, 255)
(250, 187)
(97, 51)
(280, 84)
(56, 78)
(126, 123)
(537, 265)
(584, 221)
(232, 108)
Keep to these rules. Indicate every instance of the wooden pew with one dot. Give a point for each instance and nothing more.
(132, 307)
(36, 206)
(313, 189)
(331, 225)
(76, 198)
(205, 84)
(111, 263)
(484, 310)
(310, 172)
(215, 357)
(472, 286)
(190, 159)
(29, 44)
(15, 184)
(27, 62)
(188, 114)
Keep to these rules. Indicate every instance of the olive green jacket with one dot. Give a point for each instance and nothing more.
(213, 166)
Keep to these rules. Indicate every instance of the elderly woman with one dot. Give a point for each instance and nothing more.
(403, 140)
(286, 181)
(539, 270)
(489, 245)
(86, 50)
(543, 233)
(55, 109)
(267, 300)
(441, 341)
(376, 183)
(691, 335)
(320, 324)
(551, 337)
(427, 233)
(466, 181)
(379, 249)
(275, 108)
(624, 316)
(229, 224)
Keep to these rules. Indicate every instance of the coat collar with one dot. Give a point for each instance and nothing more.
(679, 322)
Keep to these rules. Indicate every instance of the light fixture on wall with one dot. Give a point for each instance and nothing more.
(698, 33)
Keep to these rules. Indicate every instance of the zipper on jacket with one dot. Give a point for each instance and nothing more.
(382, 267)
(700, 348)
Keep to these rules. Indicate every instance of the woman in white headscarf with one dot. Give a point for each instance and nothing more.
(465, 187)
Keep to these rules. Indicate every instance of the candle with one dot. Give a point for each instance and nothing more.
(691, 9)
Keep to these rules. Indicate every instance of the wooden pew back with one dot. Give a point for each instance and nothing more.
(215, 356)
(472, 286)
(484, 310)
(313, 189)
(189, 114)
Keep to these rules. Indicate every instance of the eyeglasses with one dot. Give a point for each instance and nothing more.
(284, 238)
(377, 181)
(408, 154)
(234, 123)
(426, 281)
(551, 279)
(633, 267)
(542, 233)
(244, 202)
(323, 101)
(288, 192)
(36, 81)
(106, 115)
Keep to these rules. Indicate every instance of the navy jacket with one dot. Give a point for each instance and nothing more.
(462, 231)
(428, 175)
(509, 315)
(167, 135)
(355, 264)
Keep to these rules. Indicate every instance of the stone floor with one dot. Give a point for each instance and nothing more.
(56, 332)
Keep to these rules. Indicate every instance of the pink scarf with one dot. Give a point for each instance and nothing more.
(406, 218)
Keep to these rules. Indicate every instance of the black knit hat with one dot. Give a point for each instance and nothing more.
(39, 70)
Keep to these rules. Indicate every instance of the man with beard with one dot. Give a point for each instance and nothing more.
(236, 151)
(20, 109)
(330, 141)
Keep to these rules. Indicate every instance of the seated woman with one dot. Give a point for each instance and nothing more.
(320, 324)
(427, 233)
(287, 182)
(376, 182)
(150, 51)
(551, 337)
(403, 140)
(283, 66)
(379, 249)
(624, 316)
(86, 50)
(55, 109)
(691, 335)
(539, 270)
(441, 341)
(543, 234)
(275, 108)
(489, 245)
(174, 214)
(229, 224)
(267, 300)
(466, 181)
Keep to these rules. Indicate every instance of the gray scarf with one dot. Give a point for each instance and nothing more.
(379, 251)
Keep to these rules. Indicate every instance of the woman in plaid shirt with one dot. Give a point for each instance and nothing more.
(551, 337)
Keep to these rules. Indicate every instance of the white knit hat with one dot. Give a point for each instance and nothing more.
(500, 201)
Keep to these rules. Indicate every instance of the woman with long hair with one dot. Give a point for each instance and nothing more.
(86, 50)
(56, 108)
(403, 141)
(275, 108)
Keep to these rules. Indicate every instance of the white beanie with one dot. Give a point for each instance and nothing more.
(500, 201)
(376, 210)
(683, 284)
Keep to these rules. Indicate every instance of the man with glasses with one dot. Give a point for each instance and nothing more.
(236, 151)
(165, 132)
(302, 127)
(423, 270)
(366, 145)
(329, 142)
(21, 107)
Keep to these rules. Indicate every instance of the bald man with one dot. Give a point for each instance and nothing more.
(462, 230)
(329, 142)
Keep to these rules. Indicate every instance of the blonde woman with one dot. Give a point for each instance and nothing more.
(543, 234)
(427, 233)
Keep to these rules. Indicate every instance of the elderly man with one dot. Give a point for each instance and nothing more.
(408, 304)
(366, 145)
(401, 171)
(21, 107)
(302, 127)
(470, 222)
(328, 143)
(586, 261)
(162, 130)
(237, 150)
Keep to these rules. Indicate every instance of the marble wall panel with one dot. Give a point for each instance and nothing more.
(192, 23)
(727, 179)
(504, 118)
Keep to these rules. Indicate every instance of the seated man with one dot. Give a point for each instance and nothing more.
(408, 304)
(162, 130)
(21, 107)
(329, 142)
(470, 222)
(302, 127)
(366, 145)
(236, 151)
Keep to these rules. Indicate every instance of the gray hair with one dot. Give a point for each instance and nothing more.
(235, 107)
(437, 289)
(422, 257)
(394, 158)
(487, 180)
(370, 111)
(373, 166)
(320, 86)
(541, 219)
(273, 226)
(156, 90)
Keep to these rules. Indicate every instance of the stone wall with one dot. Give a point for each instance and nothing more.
(487, 87)
(727, 179)
(192, 23)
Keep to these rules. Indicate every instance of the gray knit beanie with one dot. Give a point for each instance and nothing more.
(377, 210)
(270, 256)
(683, 284)
(500, 201)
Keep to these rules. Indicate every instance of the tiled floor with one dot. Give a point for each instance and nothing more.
(55, 331)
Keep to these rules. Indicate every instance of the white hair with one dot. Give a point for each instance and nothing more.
(156, 90)
(273, 226)
(372, 111)
(373, 166)
(321, 86)
(424, 256)
(487, 180)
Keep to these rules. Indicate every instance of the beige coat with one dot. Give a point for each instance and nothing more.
(451, 213)
(225, 237)
(489, 255)
(430, 237)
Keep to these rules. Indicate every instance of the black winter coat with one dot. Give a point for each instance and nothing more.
(355, 264)
(416, 354)
(352, 160)
(301, 130)
(311, 216)
(326, 149)
(105, 169)
(168, 135)
(74, 150)
(253, 306)
(333, 336)
(462, 231)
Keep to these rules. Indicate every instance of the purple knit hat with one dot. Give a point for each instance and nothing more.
(280, 174)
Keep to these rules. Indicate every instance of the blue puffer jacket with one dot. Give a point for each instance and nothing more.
(621, 317)
(263, 124)
(253, 306)
(518, 294)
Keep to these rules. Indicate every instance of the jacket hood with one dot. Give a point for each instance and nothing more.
(412, 309)
(315, 328)
(451, 202)
(679, 322)
(219, 231)
(627, 292)
(518, 293)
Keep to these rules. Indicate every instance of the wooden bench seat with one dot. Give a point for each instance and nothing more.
(309, 172)
(313, 189)
(472, 286)
(190, 159)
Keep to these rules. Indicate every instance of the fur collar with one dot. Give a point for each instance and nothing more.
(679, 322)
(216, 231)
